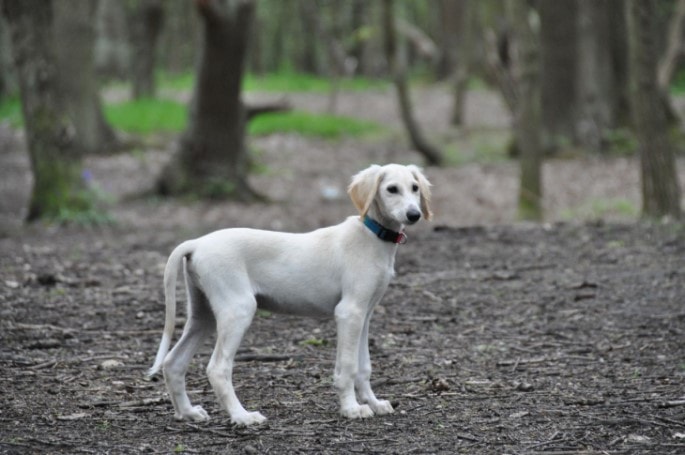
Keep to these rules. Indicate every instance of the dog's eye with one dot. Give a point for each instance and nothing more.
(392, 189)
(415, 188)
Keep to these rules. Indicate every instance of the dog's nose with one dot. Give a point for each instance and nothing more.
(413, 215)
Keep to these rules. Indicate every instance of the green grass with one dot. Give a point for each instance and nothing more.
(147, 116)
(602, 208)
(10, 111)
(284, 81)
(678, 83)
(306, 124)
(175, 81)
(478, 147)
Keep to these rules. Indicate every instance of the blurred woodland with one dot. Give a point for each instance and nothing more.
(581, 75)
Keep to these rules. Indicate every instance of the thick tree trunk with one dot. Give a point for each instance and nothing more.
(432, 155)
(527, 119)
(212, 160)
(145, 22)
(54, 150)
(660, 188)
(74, 46)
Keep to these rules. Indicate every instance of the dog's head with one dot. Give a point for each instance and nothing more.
(402, 193)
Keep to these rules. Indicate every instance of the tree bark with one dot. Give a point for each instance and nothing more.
(432, 155)
(558, 54)
(527, 118)
(660, 187)
(180, 36)
(462, 64)
(212, 161)
(54, 150)
(8, 82)
(145, 22)
(674, 48)
(74, 45)
(593, 78)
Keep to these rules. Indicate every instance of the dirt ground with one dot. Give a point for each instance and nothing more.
(566, 337)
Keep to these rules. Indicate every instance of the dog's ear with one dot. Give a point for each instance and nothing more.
(425, 190)
(363, 188)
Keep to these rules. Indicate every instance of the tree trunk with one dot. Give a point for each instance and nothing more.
(360, 12)
(212, 161)
(179, 40)
(74, 46)
(462, 62)
(451, 19)
(618, 43)
(558, 56)
(527, 119)
(433, 155)
(674, 48)
(145, 22)
(310, 19)
(8, 82)
(594, 81)
(54, 150)
(660, 189)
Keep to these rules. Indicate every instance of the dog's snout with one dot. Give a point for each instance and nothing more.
(413, 215)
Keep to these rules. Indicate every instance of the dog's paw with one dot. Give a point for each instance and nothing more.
(195, 414)
(248, 418)
(381, 407)
(360, 411)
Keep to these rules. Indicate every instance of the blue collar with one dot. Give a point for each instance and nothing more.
(383, 233)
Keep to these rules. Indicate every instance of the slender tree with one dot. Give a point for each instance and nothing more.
(145, 24)
(74, 41)
(212, 160)
(660, 187)
(462, 65)
(527, 117)
(53, 147)
(594, 76)
(398, 71)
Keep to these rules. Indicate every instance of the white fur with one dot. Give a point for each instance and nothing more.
(341, 271)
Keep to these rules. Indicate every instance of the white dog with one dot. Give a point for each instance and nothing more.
(340, 271)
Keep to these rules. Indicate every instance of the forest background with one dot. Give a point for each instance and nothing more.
(540, 312)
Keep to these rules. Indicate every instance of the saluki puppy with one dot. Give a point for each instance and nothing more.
(341, 271)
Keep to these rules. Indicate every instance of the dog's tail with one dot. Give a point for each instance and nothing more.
(170, 275)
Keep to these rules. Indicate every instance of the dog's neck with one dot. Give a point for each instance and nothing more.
(384, 228)
(383, 233)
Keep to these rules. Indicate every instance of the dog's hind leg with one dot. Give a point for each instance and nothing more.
(233, 320)
(199, 325)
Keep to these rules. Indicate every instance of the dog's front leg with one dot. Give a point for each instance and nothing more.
(363, 382)
(350, 322)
